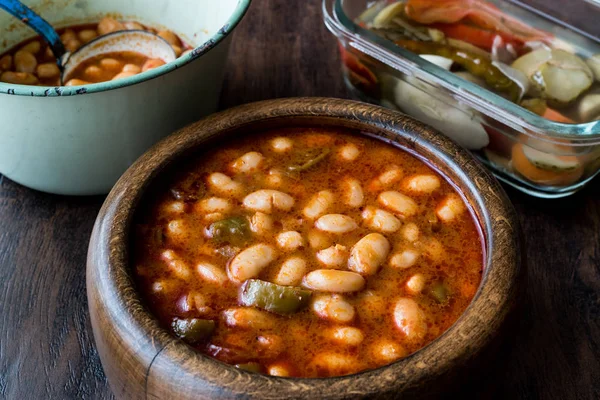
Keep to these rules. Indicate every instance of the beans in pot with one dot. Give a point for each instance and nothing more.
(33, 63)
(357, 256)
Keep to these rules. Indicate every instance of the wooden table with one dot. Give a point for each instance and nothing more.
(282, 49)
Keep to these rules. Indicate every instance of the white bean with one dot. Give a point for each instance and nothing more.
(274, 178)
(432, 248)
(180, 269)
(221, 183)
(281, 144)
(410, 232)
(87, 35)
(333, 307)
(334, 256)
(291, 272)
(211, 273)
(451, 207)
(416, 283)
(248, 263)
(368, 254)
(32, 47)
(136, 69)
(168, 255)
(334, 363)
(422, 184)
(336, 223)
(270, 344)
(177, 230)
(389, 176)
(120, 75)
(318, 204)
(108, 25)
(213, 217)
(249, 162)
(176, 207)
(346, 335)
(213, 204)
(398, 203)
(198, 301)
(163, 286)
(261, 223)
(25, 62)
(170, 37)
(290, 240)
(47, 70)
(265, 200)
(404, 259)
(332, 280)
(349, 152)
(278, 370)
(247, 317)
(410, 319)
(380, 220)
(387, 351)
(354, 196)
(319, 240)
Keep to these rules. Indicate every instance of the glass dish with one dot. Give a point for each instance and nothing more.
(498, 131)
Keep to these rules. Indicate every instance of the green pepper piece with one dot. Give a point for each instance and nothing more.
(278, 299)
(440, 292)
(193, 330)
(536, 106)
(234, 230)
(309, 160)
(250, 366)
(476, 64)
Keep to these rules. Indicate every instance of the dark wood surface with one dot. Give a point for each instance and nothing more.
(282, 49)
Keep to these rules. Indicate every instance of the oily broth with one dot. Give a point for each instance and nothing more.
(304, 334)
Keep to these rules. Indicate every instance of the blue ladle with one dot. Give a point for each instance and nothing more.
(139, 41)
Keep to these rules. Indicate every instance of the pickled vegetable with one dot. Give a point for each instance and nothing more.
(309, 159)
(557, 74)
(460, 125)
(274, 298)
(589, 107)
(474, 63)
(234, 231)
(440, 292)
(536, 105)
(545, 168)
(193, 330)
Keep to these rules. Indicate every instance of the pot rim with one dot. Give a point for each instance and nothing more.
(474, 329)
(58, 91)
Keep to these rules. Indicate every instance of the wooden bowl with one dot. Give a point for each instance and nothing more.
(142, 360)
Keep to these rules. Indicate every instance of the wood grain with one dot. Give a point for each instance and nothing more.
(282, 49)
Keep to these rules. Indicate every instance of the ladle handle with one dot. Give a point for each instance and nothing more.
(38, 24)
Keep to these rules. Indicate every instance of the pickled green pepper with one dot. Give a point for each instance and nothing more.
(309, 160)
(274, 298)
(234, 230)
(476, 64)
(193, 330)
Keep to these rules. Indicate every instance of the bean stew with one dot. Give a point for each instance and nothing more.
(306, 252)
(33, 63)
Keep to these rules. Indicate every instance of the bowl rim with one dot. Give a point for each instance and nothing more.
(109, 266)
(57, 91)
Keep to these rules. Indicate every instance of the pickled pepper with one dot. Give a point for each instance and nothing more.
(274, 298)
(193, 330)
(476, 64)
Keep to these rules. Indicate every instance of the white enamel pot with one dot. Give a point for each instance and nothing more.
(79, 140)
